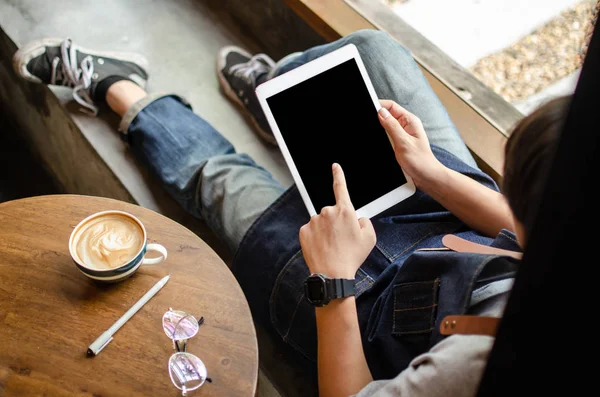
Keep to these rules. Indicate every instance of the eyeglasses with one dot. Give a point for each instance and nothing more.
(187, 371)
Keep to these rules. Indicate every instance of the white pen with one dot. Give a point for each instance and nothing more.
(107, 336)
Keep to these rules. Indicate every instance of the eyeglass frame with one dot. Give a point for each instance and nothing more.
(180, 346)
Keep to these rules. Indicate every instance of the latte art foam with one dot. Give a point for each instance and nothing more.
(108, 241)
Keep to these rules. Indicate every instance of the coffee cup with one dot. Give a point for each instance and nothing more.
(111, 245)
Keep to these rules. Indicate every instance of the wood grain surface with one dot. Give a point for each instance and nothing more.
(50, 312)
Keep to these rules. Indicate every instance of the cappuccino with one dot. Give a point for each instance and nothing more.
(108, 241)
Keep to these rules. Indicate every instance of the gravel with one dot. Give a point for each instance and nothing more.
(551, 52)
(548, 54)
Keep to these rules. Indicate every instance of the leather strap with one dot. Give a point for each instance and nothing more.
(458, 244)
(465, 324)
(342, 288)
(469, 325)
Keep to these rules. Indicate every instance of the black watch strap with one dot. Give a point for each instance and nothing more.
(341, 287)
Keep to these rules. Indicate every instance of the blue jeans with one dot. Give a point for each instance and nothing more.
(228, 190)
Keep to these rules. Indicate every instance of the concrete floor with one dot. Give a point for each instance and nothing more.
(181, 40)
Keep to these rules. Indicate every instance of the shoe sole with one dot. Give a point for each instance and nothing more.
(37, 47)
(229, 93)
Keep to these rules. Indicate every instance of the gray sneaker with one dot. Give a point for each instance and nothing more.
(239, 74)
(58, 61)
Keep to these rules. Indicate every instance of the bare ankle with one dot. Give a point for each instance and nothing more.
(122, 95)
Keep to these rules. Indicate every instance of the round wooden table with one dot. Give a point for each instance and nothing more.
(50, 312)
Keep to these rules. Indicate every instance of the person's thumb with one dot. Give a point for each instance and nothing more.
(367, 227)
(393, 128)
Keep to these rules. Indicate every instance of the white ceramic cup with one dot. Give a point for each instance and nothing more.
(117, 251)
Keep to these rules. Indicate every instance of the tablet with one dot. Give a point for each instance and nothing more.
(325, 112)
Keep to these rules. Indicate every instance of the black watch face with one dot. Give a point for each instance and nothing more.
(315, 290)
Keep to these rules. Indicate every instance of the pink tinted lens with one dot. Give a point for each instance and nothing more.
(179, 325)
(187, 371)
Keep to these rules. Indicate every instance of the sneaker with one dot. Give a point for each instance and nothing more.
(57, 61)
(239, 74)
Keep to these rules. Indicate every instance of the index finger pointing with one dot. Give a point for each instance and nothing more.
(340, 190)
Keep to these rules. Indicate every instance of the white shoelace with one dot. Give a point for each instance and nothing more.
(77, 76)
(257, 65)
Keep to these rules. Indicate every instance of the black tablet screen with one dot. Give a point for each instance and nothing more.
(331, 118)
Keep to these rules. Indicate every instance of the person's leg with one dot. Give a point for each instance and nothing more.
(396, 76)
(393, 71)
(196, 165)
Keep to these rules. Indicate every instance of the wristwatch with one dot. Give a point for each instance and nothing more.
(320, 289)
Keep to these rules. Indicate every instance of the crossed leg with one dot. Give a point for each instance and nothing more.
(228, 190)
(195, 163)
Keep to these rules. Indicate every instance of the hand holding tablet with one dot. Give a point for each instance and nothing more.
(325, 112)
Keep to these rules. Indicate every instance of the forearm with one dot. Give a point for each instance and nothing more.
(342, 365)
(478, 206)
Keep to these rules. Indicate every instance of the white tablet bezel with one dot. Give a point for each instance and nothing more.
(305, 72)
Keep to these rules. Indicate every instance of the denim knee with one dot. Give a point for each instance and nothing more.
(375, 40)
(377, 48)
(368, 35)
